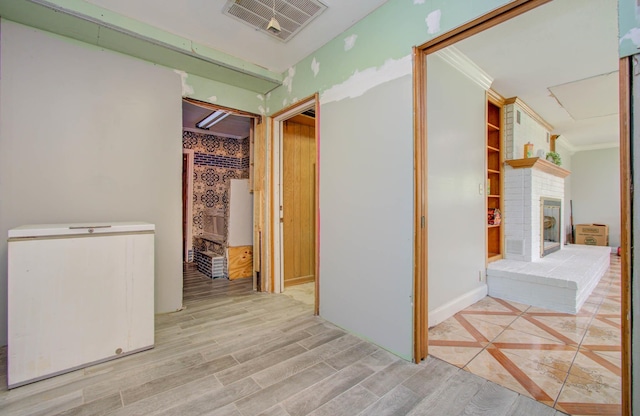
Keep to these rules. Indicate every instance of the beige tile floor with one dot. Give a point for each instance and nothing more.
(570, 362)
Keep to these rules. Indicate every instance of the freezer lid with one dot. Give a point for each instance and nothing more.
(47, 230)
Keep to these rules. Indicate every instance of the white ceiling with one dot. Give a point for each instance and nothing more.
(202, 21)
(561, 60)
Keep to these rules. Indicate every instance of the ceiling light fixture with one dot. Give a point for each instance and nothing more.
(213, 118)
(274, 25)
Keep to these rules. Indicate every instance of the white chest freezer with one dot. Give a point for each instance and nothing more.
(78, 294)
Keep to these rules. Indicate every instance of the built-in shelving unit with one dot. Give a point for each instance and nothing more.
(495, 175)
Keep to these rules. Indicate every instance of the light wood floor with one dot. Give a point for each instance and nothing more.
(233, 352)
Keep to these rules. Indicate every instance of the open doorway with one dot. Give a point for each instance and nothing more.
(295, 191)
(565, 96)
(218, 199)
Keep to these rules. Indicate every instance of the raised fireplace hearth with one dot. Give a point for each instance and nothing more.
(538, 268)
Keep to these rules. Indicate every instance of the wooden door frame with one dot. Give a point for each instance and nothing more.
(626, 220)
(189, 203)
(491, 19)
(256, 183)
(275, 146)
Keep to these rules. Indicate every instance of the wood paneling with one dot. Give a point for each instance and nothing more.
(240, 262)
(298, 202)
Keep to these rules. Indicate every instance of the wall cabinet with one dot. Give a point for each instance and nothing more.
(494, 187)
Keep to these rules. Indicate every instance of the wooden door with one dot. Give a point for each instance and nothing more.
(298, 204)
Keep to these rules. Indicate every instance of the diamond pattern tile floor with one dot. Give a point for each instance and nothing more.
(570, 362)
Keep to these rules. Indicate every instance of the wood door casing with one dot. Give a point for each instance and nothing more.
(298, 203)
(185, 170)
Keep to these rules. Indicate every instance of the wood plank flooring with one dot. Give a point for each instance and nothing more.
(234, 352)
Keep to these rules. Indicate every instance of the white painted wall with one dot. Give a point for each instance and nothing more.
(366, 208)
(89, 135)
(456, 204)
(596, 189)
(240, 213)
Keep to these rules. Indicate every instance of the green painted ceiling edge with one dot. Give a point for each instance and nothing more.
(91, 24)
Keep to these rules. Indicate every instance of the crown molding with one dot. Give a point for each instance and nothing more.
(458, 60)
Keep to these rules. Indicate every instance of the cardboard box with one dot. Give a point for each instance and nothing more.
(592, 234)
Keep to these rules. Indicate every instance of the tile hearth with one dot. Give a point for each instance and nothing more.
(570, 362)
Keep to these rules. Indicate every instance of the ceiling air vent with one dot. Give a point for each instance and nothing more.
(292, 15)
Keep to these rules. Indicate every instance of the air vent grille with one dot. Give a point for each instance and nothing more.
(293, 15)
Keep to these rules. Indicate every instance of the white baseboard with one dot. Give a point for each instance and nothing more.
(456, 305)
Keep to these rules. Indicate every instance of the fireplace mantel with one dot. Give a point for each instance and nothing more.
(539, 164)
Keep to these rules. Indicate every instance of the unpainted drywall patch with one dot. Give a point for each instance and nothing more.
(418, 1)
(362, 81)
(262, 110)
(186, 88)
(433, 22)
(315, 67)
(633, 35)
(350, 42)
(288, 80)
(212, 99)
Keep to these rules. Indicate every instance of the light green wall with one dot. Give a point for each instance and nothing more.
(388, 33)
(629, 27)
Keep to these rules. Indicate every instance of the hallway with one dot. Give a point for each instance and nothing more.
(234, 352)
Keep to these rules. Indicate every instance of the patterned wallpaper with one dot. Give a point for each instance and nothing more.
(216, 161)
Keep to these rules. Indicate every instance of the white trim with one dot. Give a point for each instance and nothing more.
(189, 207)
(462, 63)
(456, 305)
(277, 190)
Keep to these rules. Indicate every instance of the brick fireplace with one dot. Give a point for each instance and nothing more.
(527, 183)
(560, 280)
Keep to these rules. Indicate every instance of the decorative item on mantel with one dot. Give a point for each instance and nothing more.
(528, 150)
(554, 158)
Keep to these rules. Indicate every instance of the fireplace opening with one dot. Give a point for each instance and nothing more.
(550, 221)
